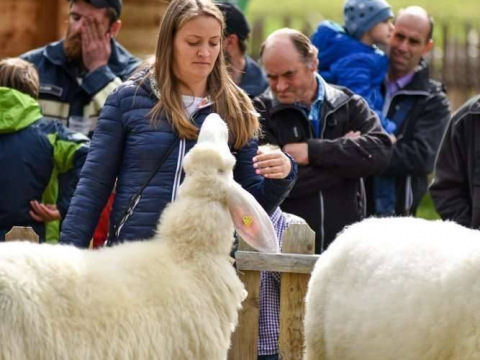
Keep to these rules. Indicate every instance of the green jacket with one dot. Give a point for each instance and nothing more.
(40, 160)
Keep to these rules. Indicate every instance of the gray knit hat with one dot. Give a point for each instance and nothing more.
(362, 15)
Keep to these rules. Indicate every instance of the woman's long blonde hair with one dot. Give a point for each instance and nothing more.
(230, 102)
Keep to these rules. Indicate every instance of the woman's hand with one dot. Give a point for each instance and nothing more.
(272, 164)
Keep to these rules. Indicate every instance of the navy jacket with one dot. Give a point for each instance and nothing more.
(253, 81)
(126, 147)
(77, 103)
(40, 160)
(422, 109)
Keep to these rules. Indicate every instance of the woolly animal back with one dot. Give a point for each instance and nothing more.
(396, 288)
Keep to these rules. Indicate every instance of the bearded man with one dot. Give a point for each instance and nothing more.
(78, 72)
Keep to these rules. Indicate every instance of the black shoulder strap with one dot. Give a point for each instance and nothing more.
(136, 198)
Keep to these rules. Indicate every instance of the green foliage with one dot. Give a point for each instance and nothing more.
(426, 209)
(317, 10)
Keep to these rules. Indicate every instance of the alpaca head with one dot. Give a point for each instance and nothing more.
(209, 175)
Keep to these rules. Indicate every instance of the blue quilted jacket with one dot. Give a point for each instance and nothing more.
(126, 149)
(344, 60)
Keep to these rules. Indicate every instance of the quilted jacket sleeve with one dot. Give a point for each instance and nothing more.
(97, 177)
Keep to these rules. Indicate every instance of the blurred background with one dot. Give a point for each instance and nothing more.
(455, 60)
(27, 24)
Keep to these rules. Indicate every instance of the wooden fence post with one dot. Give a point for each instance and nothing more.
(297, 239)
(244, 339)
(25, 233)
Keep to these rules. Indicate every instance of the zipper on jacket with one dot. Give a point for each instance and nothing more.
(387, 104)
(178, 171)
(181, 154)
(322, 222)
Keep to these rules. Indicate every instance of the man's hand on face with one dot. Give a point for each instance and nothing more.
(299, 152)
(96, 45)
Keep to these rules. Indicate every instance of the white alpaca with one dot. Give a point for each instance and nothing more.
(175, 297)
(396, 288)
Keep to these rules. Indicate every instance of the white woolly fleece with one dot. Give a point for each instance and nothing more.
(396, 288)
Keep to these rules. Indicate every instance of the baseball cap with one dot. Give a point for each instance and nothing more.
(116, 4)
(235, 21)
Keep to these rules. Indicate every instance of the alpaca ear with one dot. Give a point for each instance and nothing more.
(251, 221)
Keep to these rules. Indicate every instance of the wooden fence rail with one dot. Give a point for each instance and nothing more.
(295, 265)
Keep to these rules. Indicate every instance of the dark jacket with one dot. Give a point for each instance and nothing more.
(253, 81)
(329, 192)
(63, 98)
(34, 152)
(422, 109)
(125, 146)
(456, 188)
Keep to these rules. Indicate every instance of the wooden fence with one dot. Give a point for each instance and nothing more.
(295, 265)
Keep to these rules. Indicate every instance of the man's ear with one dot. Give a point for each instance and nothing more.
(115, 28)
(230, 42)
(428, 46)
(314, 65)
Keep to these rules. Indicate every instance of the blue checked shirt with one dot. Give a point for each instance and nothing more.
(316, 107)
(269, 299)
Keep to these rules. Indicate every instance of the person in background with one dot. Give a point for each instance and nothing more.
(78, 72)
(244, 71)
(456, 187)
(420, 109)
(33, 153)
(156, 115)
(331, 133)
(351, 55)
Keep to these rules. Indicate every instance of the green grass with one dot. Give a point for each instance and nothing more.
(426, 209)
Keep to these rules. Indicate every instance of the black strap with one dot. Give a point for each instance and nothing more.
(112, 240)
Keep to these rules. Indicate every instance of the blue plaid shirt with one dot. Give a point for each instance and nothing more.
(316, 107)
(269, 298)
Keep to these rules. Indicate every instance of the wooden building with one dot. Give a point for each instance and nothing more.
(28, 24)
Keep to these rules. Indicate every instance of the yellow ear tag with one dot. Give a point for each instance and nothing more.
(247, 221)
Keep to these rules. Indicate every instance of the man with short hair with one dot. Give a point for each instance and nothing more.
(243, 70)
(330, 132)
(420, 109)
(78, 72)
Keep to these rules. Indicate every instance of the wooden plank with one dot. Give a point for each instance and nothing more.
(141, 42)
(298, 239)
(48, 22)
(143, 15)
(244, 339)
(24, 233)
(18, 26)
(285, 263)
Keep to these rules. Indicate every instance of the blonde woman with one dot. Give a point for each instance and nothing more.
(150, 122)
